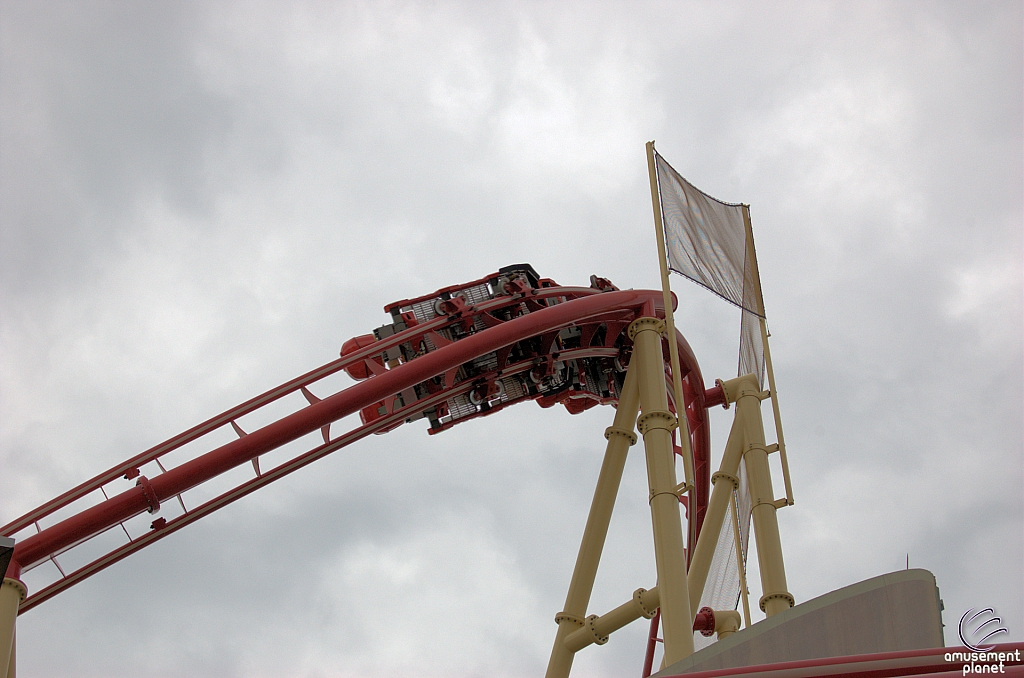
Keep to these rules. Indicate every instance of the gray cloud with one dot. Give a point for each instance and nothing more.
(198, 202)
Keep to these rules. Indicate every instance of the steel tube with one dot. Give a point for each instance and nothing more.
(620, 438)
(12, 592)
(777, 597)
(614, 620)
(38, 547)
(718, 506)
(656, 425)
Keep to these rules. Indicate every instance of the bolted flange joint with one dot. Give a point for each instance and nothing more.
(740, 387)
(704, 621)
(598, 638)
(647, 611)
(726, 476)
(628, 435)
(784, 595)
(751, 447)
(565, 616)
(645, 324)
(657, 419)
(18, 586)
(776, 504)
(149, 492)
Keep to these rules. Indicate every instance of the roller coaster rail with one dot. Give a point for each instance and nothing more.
(465, 351)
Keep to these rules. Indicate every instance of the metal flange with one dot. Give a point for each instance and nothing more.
(726, 476)
(657, 419)
(783, 595)
(645, 324)
(565, 616)
(613, 431)
(598, 638)
(18, 586)
(646, 611)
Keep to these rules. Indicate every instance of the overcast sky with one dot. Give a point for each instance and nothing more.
(200, 201)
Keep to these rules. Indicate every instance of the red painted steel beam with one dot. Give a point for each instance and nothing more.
(253, 484)
(61, 535)
(259, 401)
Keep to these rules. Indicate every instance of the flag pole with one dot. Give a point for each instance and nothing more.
(775, 408)
(768, 359)
(673, 348)
(740, 565)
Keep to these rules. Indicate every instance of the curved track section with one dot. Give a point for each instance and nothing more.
(464, 352)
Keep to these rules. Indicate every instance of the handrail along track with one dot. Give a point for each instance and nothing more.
(462, 352)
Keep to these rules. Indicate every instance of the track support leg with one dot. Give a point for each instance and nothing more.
(12, 592)
(747, 395)
(620, 437)
(656, 424)
(725, 482)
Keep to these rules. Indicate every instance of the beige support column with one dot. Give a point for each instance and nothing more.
(645, 603)
(744, 391)
(718, 506)
(673, 348)
(656, 425)
(12, 592)
(620, 437)
(727, 622)
(740, 564)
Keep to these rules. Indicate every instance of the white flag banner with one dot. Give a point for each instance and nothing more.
(706, 240)
(751, 348)
(711, 243)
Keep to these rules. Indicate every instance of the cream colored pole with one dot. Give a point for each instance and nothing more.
(775, 411)
(620, 437)
(756, 276)
(718, 505)
(740, 565)
(12, 592)
(673, 348)
(747, 395)
(645, 603)
(656, 425)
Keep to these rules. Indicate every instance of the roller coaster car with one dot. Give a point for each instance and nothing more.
(579, 366)
(492, 342)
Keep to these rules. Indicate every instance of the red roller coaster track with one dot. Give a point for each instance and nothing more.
(462, 352)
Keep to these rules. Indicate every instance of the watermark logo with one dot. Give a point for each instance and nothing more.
(977, 627)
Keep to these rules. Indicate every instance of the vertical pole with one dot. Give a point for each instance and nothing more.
(620, 437)
(775, 410)
(740, 565)
(656, 425)
(755, 276)
(12, 592)
(702, 554)
(652, 643)
(673, 348)
(776, 596)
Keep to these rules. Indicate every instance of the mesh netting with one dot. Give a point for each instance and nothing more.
(745, 506)
(710, 242)
(751, 348)
(706, 240)
(722, 588)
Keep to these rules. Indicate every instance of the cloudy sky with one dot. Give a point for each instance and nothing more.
(200, 201)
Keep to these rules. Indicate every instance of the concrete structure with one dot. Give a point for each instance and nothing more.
(889, 613)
